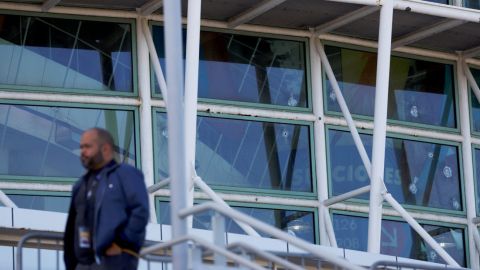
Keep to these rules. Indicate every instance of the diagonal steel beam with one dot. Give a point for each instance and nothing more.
(150, 7)
(48, 4)
(472, 52)
(426, 32)
(253, 12)
(345, 19)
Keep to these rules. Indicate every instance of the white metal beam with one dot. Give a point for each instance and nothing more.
(146, 126)
(345, 19)
(150, 7)
(472, 82)
(191, 90)
(177, 153)
(377, 186)
(48, 4)
(426, 32)
(253, 12)
(472, 52)
(467, 157)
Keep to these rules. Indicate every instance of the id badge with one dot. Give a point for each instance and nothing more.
(83, 237)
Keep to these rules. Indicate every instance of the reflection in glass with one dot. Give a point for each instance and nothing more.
(248, 68)
(475, 4)
(416, 173)
(399, 239)
(249, 154)
(44, 141)
(37, 202)
(476, 153)
(475, 104)
(65, 53)
(420, 91)
(296, 223)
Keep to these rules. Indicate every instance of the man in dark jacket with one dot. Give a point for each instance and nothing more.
(108, 212)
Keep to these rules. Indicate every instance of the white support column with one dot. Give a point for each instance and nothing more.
(191, 90)
(426, 32)
(380, 126)
(467, 157)
(345, 19)
(319, 137)
(253, 12)
(146, 125)
(176, 133)
(472, 81)
(472, 52)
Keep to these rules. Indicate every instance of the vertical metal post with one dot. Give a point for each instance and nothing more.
(467, 159)
(380, 126)
(191, 90)
(218, 222)
(319, 135)
(176, 133)
(146, 134)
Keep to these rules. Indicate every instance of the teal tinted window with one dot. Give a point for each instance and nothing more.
(475, 104)
(37, 202)
(416, 173)
(475, 4)
(399, 239)
(298, 223)
(44, 141)
(248, 68)
(476, 153)
(61, 53)
(419, 92)
(248, 154)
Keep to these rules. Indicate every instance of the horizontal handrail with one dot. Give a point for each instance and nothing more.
(34, 235)
(266, 255)
(199, 241)
(261, 226)
(407, 265)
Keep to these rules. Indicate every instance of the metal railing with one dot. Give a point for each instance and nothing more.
(43, 240)
(410, 266)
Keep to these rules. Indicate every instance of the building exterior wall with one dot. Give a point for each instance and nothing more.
(259, 134)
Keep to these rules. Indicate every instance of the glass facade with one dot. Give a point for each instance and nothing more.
(246, 154)
(399, 239)
(43, 141)
(416, 173)
(65, 54)
(414, 86)
(250, 69)
(238, 152)
(295, 222)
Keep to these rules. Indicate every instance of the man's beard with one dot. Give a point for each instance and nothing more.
(92, 163)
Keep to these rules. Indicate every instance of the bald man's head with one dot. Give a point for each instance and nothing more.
(96, 148)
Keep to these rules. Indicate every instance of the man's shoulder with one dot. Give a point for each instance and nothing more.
(123, 168)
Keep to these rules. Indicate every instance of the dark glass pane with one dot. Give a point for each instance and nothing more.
(65, 53)
(476, 153)
(44, 141)
(297, 223)
(248, 68)
(420, 91)
(37, 202)
(399, 239)
(416, 173)
(475, 4)
(474, 103)
(248, 154)
(439, 1)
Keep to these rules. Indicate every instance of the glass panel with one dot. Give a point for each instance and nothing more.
(476, 153)
(248, 154)
(439, 1)
(44, 141)
(297, 223)
(474, 103)
(399, 239)
(416, 173)
(475, 4)
(46, 203)
(420, 91)
(64, 53)
(247, 68)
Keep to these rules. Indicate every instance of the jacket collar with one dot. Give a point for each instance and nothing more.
(110, 166)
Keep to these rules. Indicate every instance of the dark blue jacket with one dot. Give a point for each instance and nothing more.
(121, 212)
